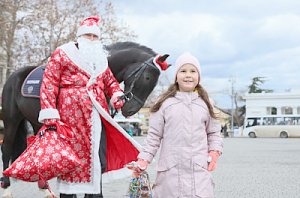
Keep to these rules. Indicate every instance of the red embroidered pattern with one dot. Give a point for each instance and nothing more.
(65, 81)
(48, 156)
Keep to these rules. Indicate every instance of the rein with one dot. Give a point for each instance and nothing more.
(128, 95)
(136, 74)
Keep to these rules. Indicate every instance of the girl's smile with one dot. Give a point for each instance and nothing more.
(187, 78)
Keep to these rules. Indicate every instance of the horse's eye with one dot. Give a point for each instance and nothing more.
(147, 78)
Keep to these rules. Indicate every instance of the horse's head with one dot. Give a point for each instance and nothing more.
(140, 80)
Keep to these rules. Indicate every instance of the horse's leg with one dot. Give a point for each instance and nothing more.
(7, 151)
(7, 148)
(20, 143)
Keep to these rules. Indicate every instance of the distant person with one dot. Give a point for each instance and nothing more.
(225, 133)
(129, 128)
(136, 129)
(139, 130)
(184, 125)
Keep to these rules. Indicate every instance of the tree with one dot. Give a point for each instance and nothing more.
(113, 30)
(239, 111)
(9, 23)
(255, 86)
(35, 28)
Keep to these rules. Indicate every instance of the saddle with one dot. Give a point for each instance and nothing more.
(32, 84)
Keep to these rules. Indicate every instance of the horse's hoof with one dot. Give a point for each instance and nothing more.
(7, 193)
(5, 183)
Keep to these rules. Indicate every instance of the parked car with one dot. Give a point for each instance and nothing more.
(130, 125)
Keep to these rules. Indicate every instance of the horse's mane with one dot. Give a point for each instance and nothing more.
(129, 45)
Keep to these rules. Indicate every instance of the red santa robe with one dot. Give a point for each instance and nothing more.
(75, 93)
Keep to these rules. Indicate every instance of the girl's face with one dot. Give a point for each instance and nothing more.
(187, 78)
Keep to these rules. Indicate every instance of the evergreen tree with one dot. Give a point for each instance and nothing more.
(255, 86)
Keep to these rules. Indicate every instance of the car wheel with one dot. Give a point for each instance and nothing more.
(284, 134)
(252, 135)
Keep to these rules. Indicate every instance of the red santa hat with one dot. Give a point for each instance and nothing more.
(186, 58)
(89, 25)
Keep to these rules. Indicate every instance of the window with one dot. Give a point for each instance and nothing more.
(253, 122)
(287, 110)
(271, 111)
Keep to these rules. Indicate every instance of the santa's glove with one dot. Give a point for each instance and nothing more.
(118, 103)
(50, 122)
(212, 160)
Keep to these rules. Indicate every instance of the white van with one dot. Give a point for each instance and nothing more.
(272, 126)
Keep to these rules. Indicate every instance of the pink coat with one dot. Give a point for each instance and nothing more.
(185, 132)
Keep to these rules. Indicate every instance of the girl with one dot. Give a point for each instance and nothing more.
(184, 125)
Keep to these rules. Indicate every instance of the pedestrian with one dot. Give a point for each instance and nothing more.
(185, 127)
(225, 133)
(75, 84)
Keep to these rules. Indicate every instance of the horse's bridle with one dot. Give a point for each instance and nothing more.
(128, 95)
(136, 74)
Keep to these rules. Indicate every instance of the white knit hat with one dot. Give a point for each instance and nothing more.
(186, 58)
(89, 25)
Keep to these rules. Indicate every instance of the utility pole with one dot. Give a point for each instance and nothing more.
(232, 80)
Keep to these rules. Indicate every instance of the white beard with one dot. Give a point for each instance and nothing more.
(93, 54)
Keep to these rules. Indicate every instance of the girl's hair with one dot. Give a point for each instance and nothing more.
(171, 93)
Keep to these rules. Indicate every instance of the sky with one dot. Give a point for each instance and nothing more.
(234, 40)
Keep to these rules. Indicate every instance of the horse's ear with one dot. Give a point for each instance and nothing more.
(161, 61)
(163, 57)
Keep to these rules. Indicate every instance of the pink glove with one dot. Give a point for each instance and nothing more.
(138, 167)
(212, 160)
(50, 122)
(118, 103)
(142, 165)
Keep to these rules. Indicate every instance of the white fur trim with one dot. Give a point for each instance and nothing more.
(73, 53)
(92, 187)
(107, 117)
(116, 174)
(48, 114)
(84, 29)
(114, 96)
(155, 63)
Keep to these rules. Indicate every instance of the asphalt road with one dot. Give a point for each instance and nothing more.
(248, 168)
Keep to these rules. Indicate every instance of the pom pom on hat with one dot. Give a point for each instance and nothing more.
(89, 25)
(186, 58)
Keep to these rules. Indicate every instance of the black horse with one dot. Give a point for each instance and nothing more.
(129, 62)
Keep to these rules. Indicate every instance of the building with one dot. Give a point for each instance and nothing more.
(258, 104)
(272, 115)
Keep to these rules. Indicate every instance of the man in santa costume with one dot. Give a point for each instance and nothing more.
(75, 84)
